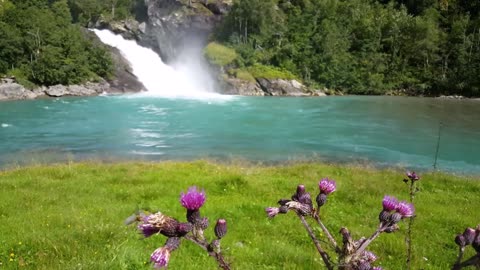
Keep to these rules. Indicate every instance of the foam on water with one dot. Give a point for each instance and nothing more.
(4, 125)
(158, 78)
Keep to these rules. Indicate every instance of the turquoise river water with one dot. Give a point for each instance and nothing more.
(383, 131)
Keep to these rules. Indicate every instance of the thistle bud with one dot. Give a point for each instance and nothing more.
(469, 236)
(384, 216)
(221, 228)
(395, 217)
(182, 229)
(460, 240)
(321, 199)
(193, 216)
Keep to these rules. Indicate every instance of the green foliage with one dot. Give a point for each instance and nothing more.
(219, 55)
(41, 46)
(362, 47)
(71, 216)
(270, 72)
(90, 11)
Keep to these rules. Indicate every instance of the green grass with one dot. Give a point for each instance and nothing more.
(70, 216)
(270, 72)
(219, 55)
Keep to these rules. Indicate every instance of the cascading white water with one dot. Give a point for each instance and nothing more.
(160, 79)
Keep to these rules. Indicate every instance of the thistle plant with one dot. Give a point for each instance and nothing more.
(175, 231)
(413, 189)
(353, 254)
(470, 237)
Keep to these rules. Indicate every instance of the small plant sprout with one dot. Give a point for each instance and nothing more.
(192, 230)
(470, 237)
(352, 255)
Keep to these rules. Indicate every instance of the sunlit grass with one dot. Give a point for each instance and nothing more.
(71, 216)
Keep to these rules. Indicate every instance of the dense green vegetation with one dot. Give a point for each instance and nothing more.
(362, 47)
(40, 45)
(71, 216)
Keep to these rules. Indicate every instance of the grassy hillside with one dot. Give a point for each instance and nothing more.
(71, 216)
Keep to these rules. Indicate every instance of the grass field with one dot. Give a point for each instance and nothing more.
(71, 216)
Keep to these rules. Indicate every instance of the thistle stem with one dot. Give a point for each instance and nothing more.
(369, 240)
(322, 252)
(327, 233)
(217, 255)
(408, 237)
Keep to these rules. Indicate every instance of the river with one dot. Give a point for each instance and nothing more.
(381, 131)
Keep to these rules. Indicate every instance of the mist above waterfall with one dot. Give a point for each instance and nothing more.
(188, 76)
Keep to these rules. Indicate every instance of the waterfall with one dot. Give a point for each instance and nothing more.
(159, 79)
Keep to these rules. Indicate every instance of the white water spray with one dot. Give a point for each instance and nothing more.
(158, 78)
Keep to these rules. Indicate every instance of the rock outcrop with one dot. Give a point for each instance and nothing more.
(280, 87)
(10, 89)
(174, 26)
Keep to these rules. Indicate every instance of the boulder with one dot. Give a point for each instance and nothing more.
(281, 87)
(57, 90)
(9, 89)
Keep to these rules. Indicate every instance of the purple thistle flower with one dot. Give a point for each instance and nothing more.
(327, 186)
(148, 229)
(413, 176)
(377, 268)
(193, 199)
(272, 211)
(389, 203)
(405, 209)
(160, 257)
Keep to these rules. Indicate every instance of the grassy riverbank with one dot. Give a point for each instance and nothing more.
(71, 216)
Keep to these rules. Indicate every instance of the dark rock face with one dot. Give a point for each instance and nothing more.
(124, 80)
(173, 26)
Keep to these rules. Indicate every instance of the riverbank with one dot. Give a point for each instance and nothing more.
(71, 216)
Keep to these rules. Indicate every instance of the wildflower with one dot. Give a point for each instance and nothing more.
(469, 235)
(272, 211)
(405, 209)
(413, 176)
(160, 257)
(327, 186)
(221, 228)
(193, 199)
(302, 196)
(389, 203)
(148, 229)
(377, 268)
(160, 223)
(460, 240)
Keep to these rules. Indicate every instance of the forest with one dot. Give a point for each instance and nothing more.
(45, 42)
(417, 47)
